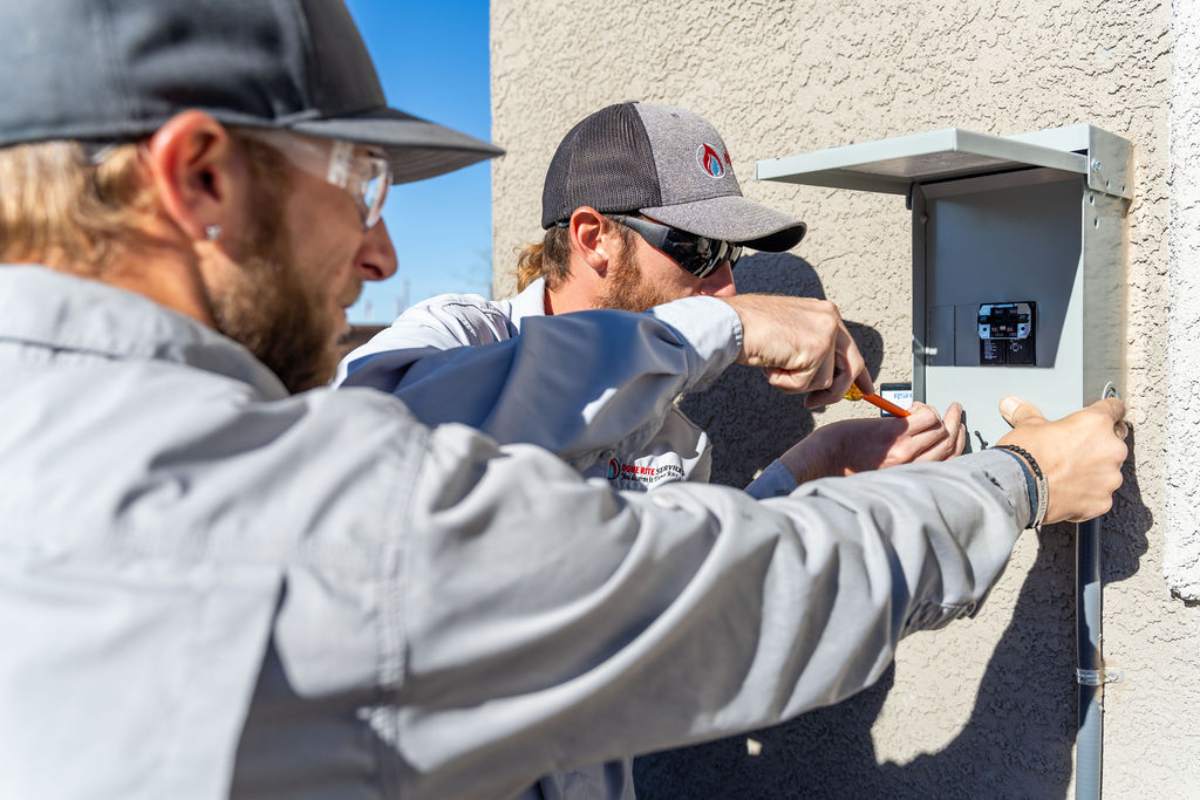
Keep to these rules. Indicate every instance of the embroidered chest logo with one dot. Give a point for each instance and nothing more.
(643, 476)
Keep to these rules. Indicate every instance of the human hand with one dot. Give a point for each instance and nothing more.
(859, 445)
(1080, 455)
(802, 344)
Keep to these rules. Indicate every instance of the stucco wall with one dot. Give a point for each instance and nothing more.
(1183, 445)
(985, 708)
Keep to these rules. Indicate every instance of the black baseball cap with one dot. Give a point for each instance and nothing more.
(666, 163)
(92, 70)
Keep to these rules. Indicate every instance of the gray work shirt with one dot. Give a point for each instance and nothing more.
(643, 453)
(640, 438)
(208, 587)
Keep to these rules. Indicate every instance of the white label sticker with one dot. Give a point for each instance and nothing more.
(901, 397)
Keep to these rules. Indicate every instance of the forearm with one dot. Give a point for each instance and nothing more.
(814, 457)
(810, 459)
(577, 384)
(585, 626)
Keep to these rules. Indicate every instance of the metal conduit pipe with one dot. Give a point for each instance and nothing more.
(1089, 672)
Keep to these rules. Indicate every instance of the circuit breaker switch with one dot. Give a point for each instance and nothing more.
(1007, 334)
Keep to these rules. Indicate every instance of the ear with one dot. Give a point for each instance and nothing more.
(192, 165)
(591, 239)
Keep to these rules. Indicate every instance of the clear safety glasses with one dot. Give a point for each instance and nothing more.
(366, 176)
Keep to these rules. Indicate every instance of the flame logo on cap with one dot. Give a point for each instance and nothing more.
(710, 161)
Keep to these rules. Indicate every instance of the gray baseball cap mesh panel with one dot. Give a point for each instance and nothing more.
(604, 162)
(666, 163)
(101, 70)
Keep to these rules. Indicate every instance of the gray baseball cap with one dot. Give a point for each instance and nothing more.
(89, 70)
(666, 163)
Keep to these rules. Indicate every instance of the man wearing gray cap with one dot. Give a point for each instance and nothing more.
(641, 207)
(217, 582)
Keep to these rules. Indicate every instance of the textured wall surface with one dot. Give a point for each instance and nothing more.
(986, 707)
(1182, 565)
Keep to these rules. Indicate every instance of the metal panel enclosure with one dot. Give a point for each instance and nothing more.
(1007, 238)
(1035, 220)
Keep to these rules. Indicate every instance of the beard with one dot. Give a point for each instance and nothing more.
(263, 305)
(628, 289)
(266, 311)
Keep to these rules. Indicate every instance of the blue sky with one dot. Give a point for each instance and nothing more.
(433, 61)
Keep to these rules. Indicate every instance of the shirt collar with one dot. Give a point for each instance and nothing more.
(43, 307)
(531, 302)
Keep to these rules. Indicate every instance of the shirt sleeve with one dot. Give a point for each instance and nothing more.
(774, 481)
(553, 623)
(576, 384)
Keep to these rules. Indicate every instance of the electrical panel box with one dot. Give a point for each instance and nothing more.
(1018, 260)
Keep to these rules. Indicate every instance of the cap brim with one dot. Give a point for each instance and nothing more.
(735, 219)
(416, 148)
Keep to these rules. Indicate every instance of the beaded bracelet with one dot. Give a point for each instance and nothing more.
(1043, 491)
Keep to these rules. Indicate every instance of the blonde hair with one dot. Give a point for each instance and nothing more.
(73, 206)
(57, 205)
(551, 257)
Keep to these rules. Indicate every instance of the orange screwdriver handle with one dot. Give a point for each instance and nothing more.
(854, 393)
(886, 405)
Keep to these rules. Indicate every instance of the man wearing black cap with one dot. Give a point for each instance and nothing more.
(215, 582)
(641, 207)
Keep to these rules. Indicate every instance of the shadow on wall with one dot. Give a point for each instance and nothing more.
(1019, 738)
(755, 422)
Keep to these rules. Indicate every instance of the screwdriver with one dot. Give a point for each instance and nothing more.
(855, 394)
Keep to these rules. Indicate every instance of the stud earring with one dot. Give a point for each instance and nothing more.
(212, 232)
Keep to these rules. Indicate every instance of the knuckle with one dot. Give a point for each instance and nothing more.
(1116, 452)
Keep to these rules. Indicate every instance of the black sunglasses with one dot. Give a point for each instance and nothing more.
(696, 254)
